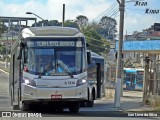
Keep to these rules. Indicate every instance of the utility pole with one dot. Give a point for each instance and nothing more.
(145, 78)
(119, 57)
(63, 16)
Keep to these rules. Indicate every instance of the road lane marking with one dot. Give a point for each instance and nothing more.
(4, 71)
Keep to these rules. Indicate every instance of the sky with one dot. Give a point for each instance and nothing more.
(135, 18)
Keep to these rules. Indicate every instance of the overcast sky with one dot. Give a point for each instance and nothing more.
(135, 17)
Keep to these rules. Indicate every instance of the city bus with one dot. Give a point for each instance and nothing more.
(133, 78)
(49, 66)
(96, 78)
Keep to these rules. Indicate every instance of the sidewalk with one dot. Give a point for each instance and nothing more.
(131, 101)
(2, 67)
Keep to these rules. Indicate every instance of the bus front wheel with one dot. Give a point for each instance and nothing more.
(24, 107)
(15, 107)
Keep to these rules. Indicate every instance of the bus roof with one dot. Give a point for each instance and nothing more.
(95, 55)
(50, 31)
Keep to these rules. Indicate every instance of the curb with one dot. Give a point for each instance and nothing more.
(4, 71)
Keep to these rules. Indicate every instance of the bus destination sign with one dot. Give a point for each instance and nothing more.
(54, 43)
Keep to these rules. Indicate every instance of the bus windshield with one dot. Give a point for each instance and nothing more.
(55, 56)
(58, 61)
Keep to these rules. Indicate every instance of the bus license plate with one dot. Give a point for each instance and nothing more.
(56, 96)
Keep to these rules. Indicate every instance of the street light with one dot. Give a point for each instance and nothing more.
(36, 15)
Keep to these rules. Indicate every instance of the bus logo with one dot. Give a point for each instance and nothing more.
(6, 114)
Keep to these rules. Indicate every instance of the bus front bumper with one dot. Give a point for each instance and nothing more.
(54, 94)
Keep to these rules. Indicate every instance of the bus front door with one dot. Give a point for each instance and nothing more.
(98, 80)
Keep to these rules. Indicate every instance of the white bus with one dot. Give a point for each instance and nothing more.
(49, 66)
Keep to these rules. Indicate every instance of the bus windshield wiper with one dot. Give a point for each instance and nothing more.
(61, 64)
(65, 68)
(46, 68)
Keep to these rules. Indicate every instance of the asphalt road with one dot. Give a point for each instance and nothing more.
(4, 92)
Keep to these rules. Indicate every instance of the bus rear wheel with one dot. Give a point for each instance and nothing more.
(90, 102)
(74, 108)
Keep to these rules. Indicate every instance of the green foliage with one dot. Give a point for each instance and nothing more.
(128, 63)
(2, 49)
(48, 23)
(82, 21)
(71, 23)
(107, 27)
(1, 29)
(96, 43)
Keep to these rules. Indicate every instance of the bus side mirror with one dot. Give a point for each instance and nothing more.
(89, 59)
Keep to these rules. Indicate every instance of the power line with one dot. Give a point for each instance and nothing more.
(105, 11)
(116, 16)
(96, 45)
(94, 39)
(108, 10)
(111, 11)
(115, 13)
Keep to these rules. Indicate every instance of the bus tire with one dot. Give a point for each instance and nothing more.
(15, 107)
(11, 98)
(74, 108)
(24, 107)
(90, 103)
(83, 104)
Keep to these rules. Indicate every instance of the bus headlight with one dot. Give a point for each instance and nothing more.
(81, 82)
(29, 82)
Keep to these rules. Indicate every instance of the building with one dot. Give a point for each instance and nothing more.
(136, 58)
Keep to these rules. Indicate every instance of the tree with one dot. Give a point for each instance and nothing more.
(2, 28)
(128, 63)
(2, 49)
(71, 23)
(48, 23)
(107, 27)
(96, 43)
(54, 23)
(82, 21)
